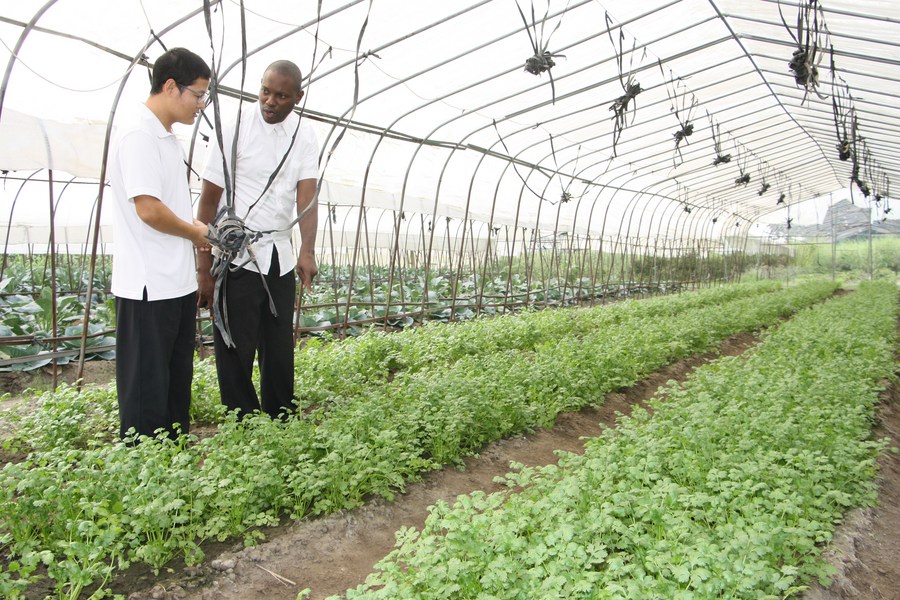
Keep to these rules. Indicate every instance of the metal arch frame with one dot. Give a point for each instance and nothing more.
(534, 167)
(14, 55)
(746, 208)
(737, 40)
(393, 124)
(632, 239)
(427, 137)
(11, 212)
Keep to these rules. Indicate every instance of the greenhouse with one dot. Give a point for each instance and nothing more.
(522, 207)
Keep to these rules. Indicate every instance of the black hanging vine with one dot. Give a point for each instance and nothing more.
(764, 175)
(859, 156)
(886, 188)
(842, 108)
(721, 158)
(513, 162)
(742, 159)
(683, 197)
(811, 36)
(683, 109)
(782, 183)
(630, 87)
(565, 195)
(542, 59)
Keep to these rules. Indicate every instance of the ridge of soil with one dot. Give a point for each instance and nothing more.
(331, 554)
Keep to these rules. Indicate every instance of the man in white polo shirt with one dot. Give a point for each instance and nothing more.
(275, 178)
(153, 276)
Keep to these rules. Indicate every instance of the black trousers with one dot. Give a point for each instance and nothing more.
(255, 330)
(155, 363)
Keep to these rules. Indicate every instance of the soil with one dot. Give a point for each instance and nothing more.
(17, 383)
(332, 554)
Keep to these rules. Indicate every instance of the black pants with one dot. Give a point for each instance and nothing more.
(254, 329)
(155, 363)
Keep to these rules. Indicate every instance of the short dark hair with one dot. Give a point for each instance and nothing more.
(179, 64)
(288, 69)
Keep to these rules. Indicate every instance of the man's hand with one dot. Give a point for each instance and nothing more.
(307, 269)
(206, 289)
(201, 242)
(206, 283)
(210, 194)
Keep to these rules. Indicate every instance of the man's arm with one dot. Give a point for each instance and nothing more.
(161, 218)
(210, 195)
(309, 224)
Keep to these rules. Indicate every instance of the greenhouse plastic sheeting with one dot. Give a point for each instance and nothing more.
(440, 117)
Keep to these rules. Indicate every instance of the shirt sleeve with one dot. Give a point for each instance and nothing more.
(309, 155)
(141, 166)
(213, 169)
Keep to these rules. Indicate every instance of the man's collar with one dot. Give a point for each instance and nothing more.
(269, 128)
(150, 116)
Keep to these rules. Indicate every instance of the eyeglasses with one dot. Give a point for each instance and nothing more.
(203, 97)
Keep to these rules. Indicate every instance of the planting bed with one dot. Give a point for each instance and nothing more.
(332, 553)
(335, 553)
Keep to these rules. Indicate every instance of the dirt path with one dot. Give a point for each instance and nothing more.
(16, 382)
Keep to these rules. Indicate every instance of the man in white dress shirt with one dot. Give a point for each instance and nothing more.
(272, 140)
(153, 276)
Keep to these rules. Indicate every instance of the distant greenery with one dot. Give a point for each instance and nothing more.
(370, 296)
(30, 274)
(851, 258)
(26, 307)
(30, 317)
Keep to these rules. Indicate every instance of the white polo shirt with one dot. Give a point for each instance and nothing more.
(259, 151)
(145, 159)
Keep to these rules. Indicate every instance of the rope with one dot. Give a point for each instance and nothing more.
(230, 238)
(228, 234)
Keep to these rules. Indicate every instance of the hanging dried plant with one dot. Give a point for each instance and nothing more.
(630, 87)
(683, 109)
(811, 39)
(842, 108)
(764, 175)
(542, 60)
(721, 158)
(742, 159)
(566, 194)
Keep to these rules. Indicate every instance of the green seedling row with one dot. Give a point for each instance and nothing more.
(78, 515)
(327, 369)
(729, 487)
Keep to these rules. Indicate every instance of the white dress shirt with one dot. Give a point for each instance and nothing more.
(259, 151)
(148, 160)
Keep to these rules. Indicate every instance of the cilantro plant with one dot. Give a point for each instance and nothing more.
(388, 408)
(729, 488)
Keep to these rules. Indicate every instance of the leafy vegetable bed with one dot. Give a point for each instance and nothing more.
(726, 490)
(333, 372)
(80, 508)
